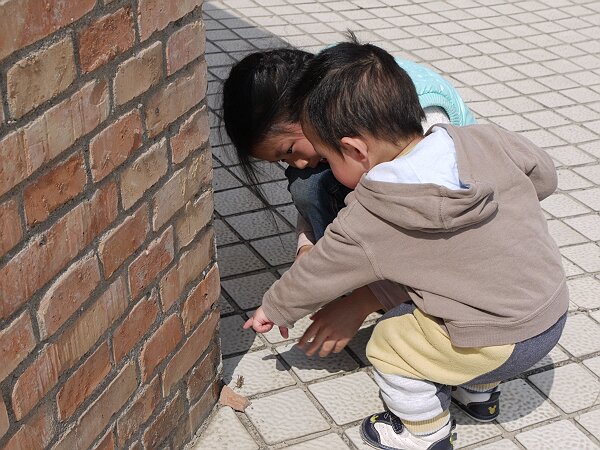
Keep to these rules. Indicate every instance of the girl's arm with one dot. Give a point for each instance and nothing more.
(304, 233)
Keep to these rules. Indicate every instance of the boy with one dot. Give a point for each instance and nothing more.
(454, 217)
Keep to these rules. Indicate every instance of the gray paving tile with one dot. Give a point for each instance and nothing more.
(234, 338)
(564, 235)
(348, 398)
(225, 431)
(586, 256)
(522, 406)
(277, 250)
(469, 431)
(236, 201)
(276, 421)
(570, 387)
(588, 225)
(224, 306)
(593, 364)
(224, 234)
(581, 335)
(309, 368)
(329, 441)
(247, 291)
(255, 372)
(591, 422)
(560, 205)
(237, 259)
(546, 437)
(257, 224)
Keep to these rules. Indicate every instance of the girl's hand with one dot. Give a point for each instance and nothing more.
(304, 249)
(261, 323)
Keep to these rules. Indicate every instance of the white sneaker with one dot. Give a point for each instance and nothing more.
(386, 431)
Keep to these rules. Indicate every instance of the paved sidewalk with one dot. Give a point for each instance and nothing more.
(529, 66)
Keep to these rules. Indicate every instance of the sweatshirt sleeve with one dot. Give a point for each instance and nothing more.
(336, 265)
(534, 162)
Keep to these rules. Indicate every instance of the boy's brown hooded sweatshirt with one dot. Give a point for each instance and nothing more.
(481, 259)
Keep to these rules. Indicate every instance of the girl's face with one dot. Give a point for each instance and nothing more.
(288, 145)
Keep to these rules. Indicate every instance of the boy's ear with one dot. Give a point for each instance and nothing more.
(355, 148)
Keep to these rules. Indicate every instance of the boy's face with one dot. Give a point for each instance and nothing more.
(346, 170)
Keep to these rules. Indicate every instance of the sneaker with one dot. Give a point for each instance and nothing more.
(386, 431)
(481, 411)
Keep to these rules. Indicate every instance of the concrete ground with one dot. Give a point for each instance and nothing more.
(529, 66)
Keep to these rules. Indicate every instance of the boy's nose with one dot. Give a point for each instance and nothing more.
(299, 163)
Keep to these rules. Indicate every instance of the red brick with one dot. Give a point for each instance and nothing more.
(201, 298)
(159, 345)
(137, 445)
(22, 22)
(83, 382)
(13, 162)
(177, 97)
(165, 422)
(195, 217)
(54, 359)
(184, 46)
(27, 149)
(16, 342)
(48, 253)
(62, 183)
(189, 353)
(107, 442)
(4, 423)
(138, 74)
(123, 240)
(203, 374)
(11, 229)
(96, 417)
(135, 325)
(192, 135)
(1, 110)
(144, 269)
(182, 186)
(40, 76)
(182, 434)
(36, 434)
(140, 411)
(143, 173)
(113, 145)
(154, 15)
(199, 411)
(189, 267)
(106, 38)
(67, 294)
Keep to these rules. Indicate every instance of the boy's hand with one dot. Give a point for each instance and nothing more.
(333, 327)
(261, 323)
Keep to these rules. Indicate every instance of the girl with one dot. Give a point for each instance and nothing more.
(256, 113)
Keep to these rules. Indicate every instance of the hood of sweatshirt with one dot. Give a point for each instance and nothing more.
(428, 207)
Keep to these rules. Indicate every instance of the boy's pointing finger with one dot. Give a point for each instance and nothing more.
(248, 323)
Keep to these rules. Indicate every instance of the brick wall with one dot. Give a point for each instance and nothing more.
(108, 281)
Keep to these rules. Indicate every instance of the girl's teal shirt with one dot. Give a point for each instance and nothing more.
(434, 90)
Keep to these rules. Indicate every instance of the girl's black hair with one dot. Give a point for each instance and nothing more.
(352, 89)
(256, 96)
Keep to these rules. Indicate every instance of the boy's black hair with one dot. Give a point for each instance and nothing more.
(352, 89)
(256, 96)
